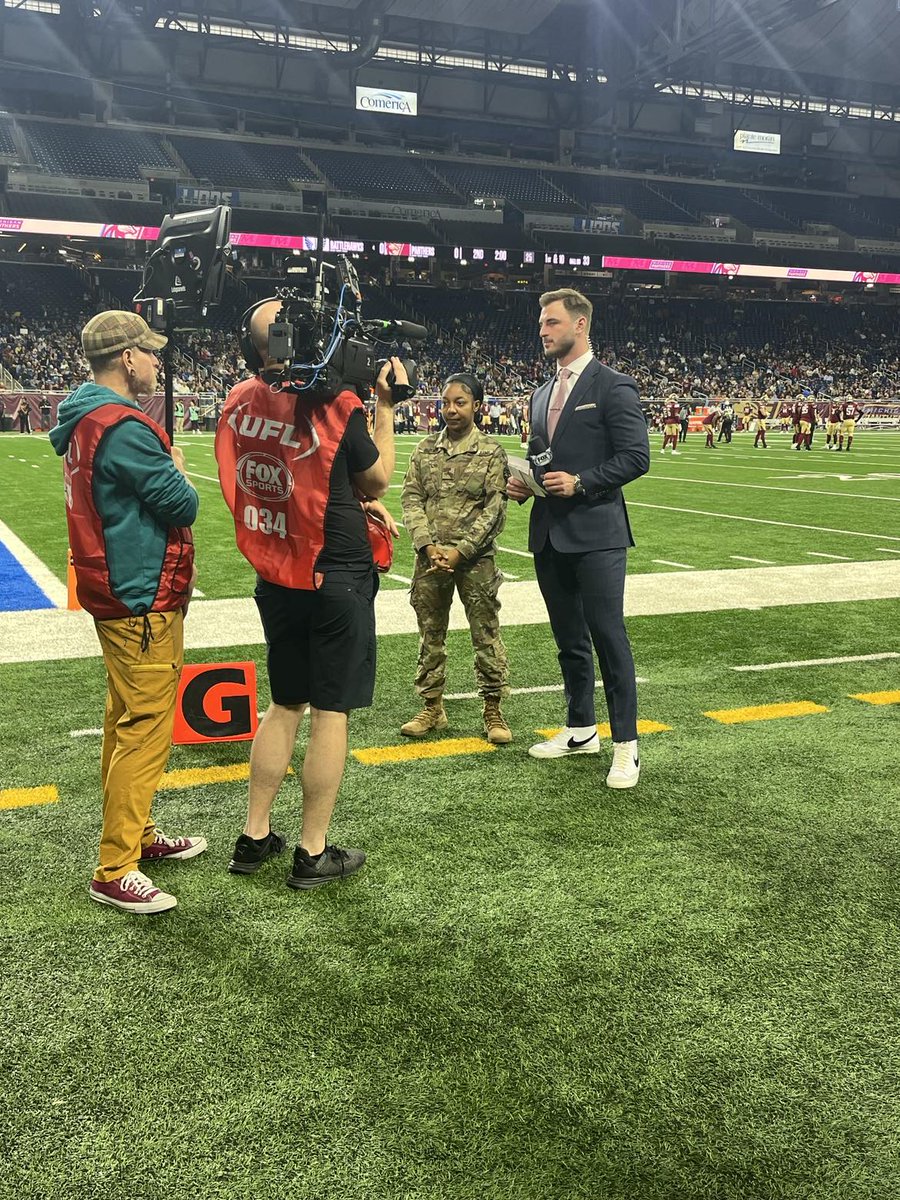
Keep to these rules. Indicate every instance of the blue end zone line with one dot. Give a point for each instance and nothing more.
(18, 591)
(26, 582)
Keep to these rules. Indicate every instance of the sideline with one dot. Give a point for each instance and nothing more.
(50, 634)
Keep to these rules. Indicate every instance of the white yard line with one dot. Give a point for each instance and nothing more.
(521, 553)
(764, 487)
(887, 550)
(819, 554)
(819, 662)
(664, 562)
(763, 562)
(700, 512)
(399, 578)
(50, 585)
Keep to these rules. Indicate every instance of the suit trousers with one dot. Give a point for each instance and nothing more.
(585, 596)
(142, 686)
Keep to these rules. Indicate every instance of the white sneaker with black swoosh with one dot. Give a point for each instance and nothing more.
(564, 743)
(626, 765)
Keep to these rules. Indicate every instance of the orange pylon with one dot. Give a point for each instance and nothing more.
(71, 583)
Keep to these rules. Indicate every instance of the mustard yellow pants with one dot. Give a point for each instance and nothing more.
(143, 666)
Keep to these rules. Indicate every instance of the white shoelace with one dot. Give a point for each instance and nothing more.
(138, 883)
(173, 843)
(624, 755)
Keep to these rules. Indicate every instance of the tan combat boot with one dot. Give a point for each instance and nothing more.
(495, 727)
(432, 717)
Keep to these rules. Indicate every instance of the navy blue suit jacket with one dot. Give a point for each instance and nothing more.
(601, 435)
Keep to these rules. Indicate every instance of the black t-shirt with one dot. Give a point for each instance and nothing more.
(346, 540)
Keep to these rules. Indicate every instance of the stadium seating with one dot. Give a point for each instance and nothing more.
(87, 151)
(642, 199)
(388, 175)
(266, 166)
(700, 199)
(806, 207)
(38, 290)
(7, 141)
(518, 184)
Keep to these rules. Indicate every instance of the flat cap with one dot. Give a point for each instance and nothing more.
(116, 329)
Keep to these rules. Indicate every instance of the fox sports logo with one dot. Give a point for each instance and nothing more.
(264, 476)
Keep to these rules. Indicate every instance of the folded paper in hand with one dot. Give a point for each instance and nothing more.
(520, 468)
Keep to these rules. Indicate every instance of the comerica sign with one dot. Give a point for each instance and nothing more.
(404, 104)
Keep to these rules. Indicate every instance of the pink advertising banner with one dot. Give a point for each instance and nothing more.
(747, 270)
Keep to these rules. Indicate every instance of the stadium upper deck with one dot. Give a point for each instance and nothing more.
(740, 212)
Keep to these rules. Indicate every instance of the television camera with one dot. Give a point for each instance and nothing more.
(320, 343)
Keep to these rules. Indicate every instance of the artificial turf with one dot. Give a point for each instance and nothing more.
(537, 988)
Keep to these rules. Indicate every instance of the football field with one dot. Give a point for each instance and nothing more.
(538, 987)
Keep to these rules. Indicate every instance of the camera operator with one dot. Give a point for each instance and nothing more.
(293, 468)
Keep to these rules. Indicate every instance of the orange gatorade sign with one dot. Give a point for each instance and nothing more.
(216, 703)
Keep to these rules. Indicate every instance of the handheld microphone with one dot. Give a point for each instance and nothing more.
(539, 453)
(403, 329)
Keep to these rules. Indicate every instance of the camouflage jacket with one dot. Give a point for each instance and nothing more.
(454, 493)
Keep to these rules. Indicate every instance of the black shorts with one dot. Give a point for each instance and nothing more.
(321, 644)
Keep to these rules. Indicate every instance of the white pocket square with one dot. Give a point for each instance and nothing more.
(579, 407)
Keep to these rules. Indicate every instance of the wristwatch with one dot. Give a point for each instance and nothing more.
(579, 486)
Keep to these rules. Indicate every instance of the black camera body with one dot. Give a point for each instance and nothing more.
(319, 343)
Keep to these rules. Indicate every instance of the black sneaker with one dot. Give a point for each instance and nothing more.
(249, 855)
(331, 864)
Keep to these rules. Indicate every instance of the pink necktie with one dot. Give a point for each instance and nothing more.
(558, 402)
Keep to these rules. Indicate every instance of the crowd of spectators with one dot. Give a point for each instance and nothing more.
(695, 349)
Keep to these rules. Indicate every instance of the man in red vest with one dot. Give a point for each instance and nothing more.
(293, 468)
(129, 508)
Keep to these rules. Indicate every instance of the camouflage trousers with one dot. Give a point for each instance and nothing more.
(431, 595)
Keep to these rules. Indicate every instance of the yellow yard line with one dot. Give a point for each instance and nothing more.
(765, 712)
(605, 732)
(19, 797)
(446, 748)
(878, 697)
(196, 776)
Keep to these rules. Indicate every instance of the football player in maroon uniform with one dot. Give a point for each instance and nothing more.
(671, 425)
(833, 426)
(850, 413)
(711, 423)
(805, 422)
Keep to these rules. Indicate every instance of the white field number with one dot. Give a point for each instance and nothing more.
(263, 520)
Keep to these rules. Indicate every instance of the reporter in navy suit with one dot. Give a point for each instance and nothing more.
(590, 418)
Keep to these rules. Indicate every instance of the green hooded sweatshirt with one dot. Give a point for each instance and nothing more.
(139, 494)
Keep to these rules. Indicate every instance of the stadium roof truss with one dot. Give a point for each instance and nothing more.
(828, 58)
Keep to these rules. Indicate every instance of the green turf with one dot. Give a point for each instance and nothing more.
(779, 485)
(538, 988)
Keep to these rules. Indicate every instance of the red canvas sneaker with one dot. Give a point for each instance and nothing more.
(166, 847)
(134, 893)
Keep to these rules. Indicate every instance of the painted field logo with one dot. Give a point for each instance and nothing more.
(263, 476)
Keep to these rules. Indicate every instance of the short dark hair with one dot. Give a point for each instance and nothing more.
(101, 363)
(467, 380)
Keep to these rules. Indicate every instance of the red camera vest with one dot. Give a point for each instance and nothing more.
(86, 539)
(276, 451)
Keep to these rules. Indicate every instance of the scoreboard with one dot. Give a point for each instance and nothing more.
(520, 258)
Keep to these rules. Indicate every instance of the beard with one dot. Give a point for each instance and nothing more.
(561, 349)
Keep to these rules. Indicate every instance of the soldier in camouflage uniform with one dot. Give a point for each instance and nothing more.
(454, 505)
